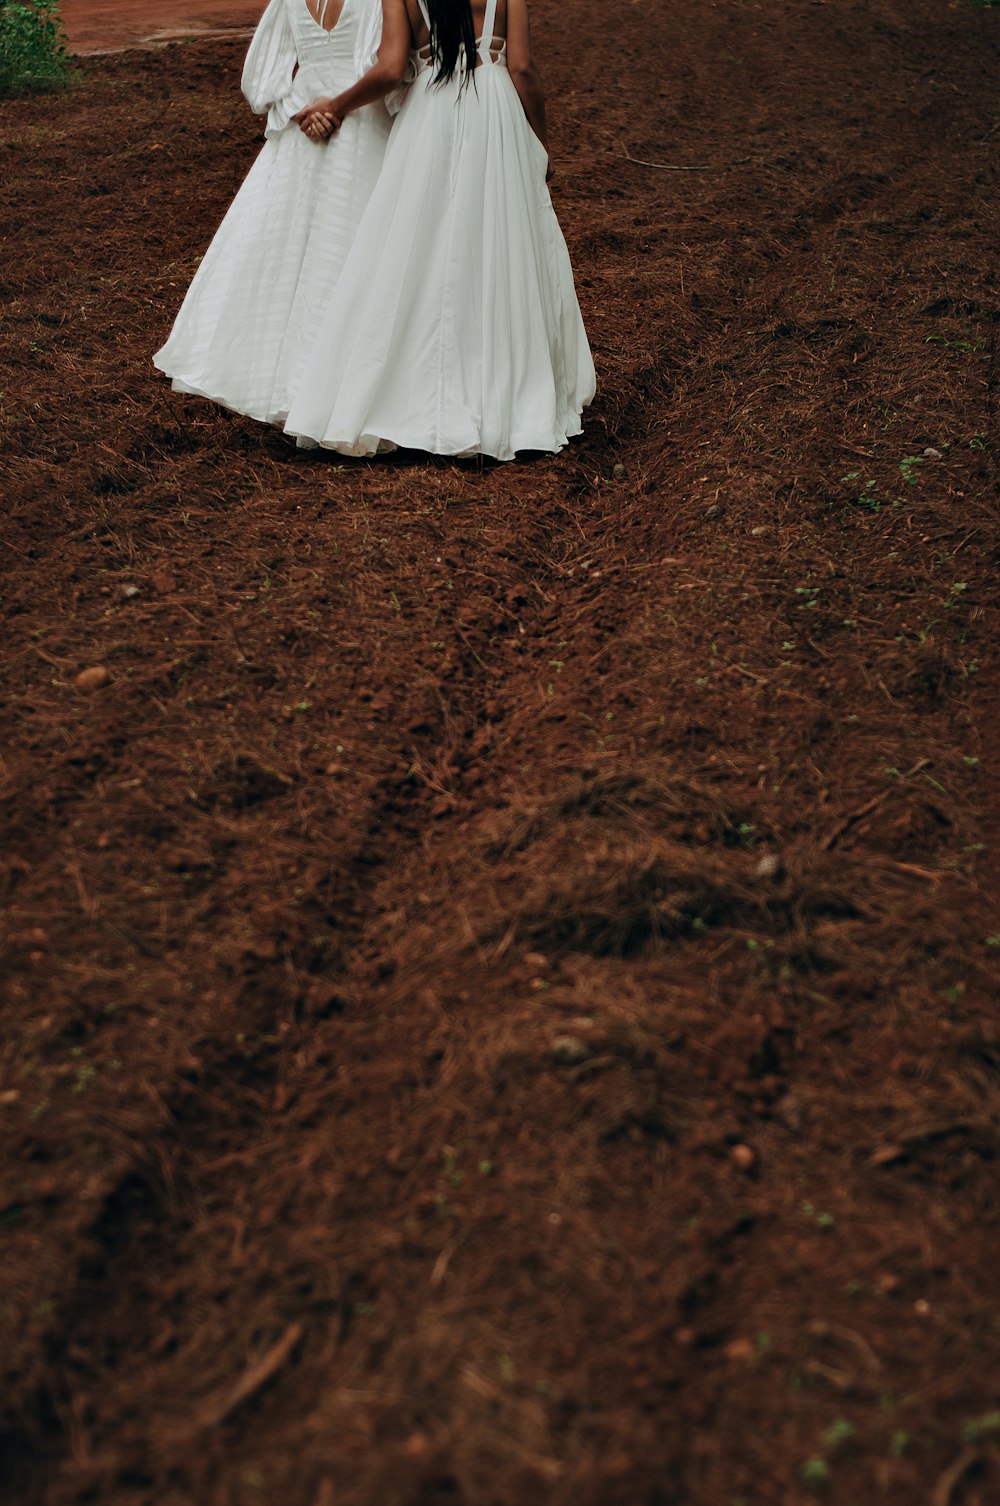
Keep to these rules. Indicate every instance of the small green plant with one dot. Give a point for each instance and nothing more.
(977, 1427)
(815, 1473)
(964, 347)
(867, 495)
(33, 53)
(838, 1433)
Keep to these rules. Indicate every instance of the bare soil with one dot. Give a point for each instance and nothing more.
(94, 26)
(500, 982)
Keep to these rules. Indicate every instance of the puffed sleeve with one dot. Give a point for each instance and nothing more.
(368, 37)
(270, 68)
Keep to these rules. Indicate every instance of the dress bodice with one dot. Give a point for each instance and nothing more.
(318, 48)
(293, 59)
(490, 47)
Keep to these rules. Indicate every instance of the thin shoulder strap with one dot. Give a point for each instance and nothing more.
(489, 22)
(425, 13)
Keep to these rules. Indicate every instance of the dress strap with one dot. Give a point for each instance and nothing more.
(489, 26)
(425, 13)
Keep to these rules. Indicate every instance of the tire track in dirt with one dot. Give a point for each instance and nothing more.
(136, 1205)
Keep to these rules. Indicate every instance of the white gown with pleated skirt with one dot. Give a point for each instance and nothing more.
(455, 326)
(251, 313)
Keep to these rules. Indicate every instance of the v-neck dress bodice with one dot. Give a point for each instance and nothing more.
(294, 60)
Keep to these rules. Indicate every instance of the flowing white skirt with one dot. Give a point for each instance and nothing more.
(455, 326)
(251, 313)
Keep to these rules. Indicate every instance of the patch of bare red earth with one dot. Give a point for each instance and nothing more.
(96, 26)
(500, 988)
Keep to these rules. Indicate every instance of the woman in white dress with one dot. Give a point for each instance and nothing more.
(455, 326)
(251, 312)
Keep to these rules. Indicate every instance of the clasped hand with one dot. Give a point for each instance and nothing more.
(319, 121)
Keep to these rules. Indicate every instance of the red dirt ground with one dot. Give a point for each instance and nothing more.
(501, 983)
(106, 25)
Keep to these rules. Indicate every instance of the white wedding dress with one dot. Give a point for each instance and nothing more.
(455, 326)
(251, 312)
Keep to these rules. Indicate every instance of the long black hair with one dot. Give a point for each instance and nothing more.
(453, 34)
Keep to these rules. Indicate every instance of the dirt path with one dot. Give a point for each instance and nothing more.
(95, 26)
(501, 983)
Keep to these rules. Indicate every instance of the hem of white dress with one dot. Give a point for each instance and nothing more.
(190, 388)
(367, 445)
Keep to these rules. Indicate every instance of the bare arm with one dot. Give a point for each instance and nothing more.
(386, 74)
(523, 69)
